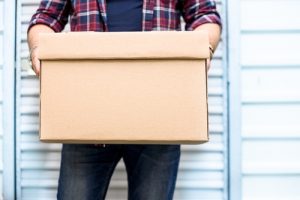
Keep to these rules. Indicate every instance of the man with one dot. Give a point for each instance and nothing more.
(86, 169)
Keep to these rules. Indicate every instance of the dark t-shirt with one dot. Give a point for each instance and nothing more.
(124, 15)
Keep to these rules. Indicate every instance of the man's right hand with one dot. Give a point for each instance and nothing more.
(33, 36)
(35, 62)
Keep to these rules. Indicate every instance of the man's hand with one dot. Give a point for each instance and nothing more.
(214, 33)
(32, 37)
(35, 62)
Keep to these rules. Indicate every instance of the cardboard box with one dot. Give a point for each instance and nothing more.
(124, 87)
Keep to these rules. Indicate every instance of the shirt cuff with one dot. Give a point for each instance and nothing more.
(46, 20)
(208, 18)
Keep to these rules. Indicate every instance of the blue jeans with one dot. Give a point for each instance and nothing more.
(86, 171)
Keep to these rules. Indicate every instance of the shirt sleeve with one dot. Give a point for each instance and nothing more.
(198, 12)
(53, 13)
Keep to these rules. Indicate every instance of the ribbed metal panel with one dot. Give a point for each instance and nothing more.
(202, 169)
(1, 98)
(270, 45)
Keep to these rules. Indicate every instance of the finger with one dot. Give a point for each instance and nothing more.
(208, 64)
(36, 66)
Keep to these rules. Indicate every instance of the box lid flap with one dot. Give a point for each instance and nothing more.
(124, 45)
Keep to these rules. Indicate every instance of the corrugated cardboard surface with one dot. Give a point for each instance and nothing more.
(124, 45)
(149, 96)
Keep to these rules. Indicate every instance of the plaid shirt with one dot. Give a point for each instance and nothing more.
(90, 15)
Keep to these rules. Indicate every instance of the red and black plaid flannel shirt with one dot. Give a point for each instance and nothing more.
(90, 15)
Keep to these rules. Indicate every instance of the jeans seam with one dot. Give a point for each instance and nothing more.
(108, 178)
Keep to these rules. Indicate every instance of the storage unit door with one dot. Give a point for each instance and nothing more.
(270, 45)
(1, 99)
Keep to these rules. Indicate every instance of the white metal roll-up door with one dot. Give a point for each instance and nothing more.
(202, 174)
(1, 99)
(270, 46)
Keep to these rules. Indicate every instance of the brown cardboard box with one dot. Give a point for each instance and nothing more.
(125, 87)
